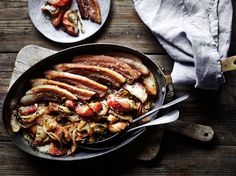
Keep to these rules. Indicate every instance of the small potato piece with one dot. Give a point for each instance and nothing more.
(138, 91)
(84, 111)
(96, 106)
(52, 10)
(121, 105)
(15, 127)
(150, 84)
(117, 127)
(112, 118)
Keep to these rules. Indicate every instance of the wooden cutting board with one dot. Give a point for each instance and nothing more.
(31, 54)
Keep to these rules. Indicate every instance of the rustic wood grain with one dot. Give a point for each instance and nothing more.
(175, 160)
(18, 31)
(28, 56)
(150, 147)
(198, 109)
(179, 155)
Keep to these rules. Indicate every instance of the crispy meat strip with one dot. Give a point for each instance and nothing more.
(46, 92)
(137, 90)
(77, 80)
(133, 61)
(125, 55)
(109, 62)
(104, 75)
(89, 9)
(97, 77)
(150, 84)
(135, 65)
(80, 93)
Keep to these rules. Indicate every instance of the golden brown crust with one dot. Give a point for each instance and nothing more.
(94, 12)
(89, 9)
(94, 72)
(82, 94)
(46, 92)
(133, 61)
(109, 62)
(150, 84)
(79, 81)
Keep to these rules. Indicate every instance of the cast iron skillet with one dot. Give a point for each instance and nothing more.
(22, 84)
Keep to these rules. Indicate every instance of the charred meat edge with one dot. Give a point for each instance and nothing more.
(149, 83)
(109, 62)
(45, 92)
(77, 80)
(80, 93)
(132, 60)
(87, 70)
(89, 9)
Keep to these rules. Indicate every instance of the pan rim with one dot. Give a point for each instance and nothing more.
(70, 158)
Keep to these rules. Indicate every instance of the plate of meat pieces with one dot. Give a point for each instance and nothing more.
(68, 21)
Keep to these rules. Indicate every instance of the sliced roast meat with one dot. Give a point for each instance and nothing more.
(77, 80)
(109, 62)
(82, 94)
(135, 65)
(89, 9)
(46, 92)
(150, 84)
(133, 61)
(137, 90)
(104, 75)
(125, 55)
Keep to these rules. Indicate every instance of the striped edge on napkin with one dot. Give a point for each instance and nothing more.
(195, 33)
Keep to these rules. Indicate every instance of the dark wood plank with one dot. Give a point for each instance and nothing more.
(179, 156)
(7, 61)
(3, 133)
(18, 31)
(215, 109)
(174, 160)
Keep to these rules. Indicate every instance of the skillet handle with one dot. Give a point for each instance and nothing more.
(228, 64)
(195, 131)
(168, 79)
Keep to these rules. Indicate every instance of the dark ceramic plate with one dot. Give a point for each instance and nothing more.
(43, 23)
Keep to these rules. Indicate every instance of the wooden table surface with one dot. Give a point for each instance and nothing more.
(179, 155)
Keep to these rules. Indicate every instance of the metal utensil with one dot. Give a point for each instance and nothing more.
(111, 138)
(168, 118)
(171, 103)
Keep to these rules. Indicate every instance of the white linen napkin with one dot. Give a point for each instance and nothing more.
(195, 33)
